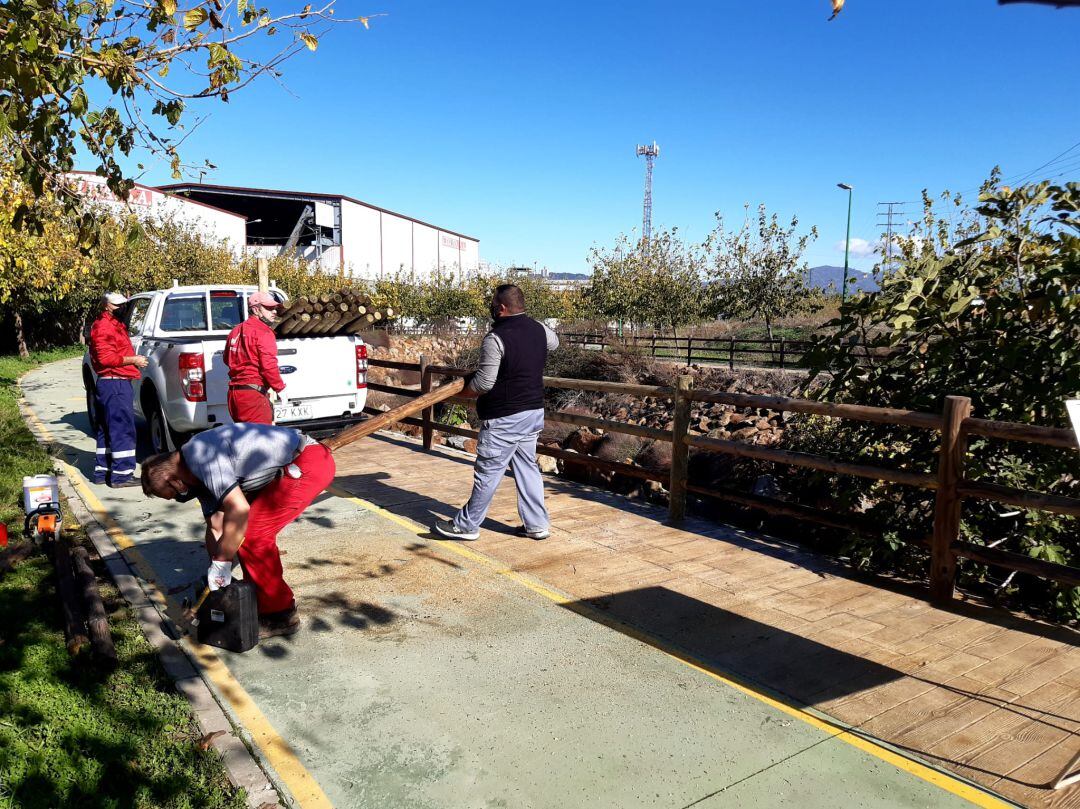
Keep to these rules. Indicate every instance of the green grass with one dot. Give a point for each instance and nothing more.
(71, 736)
(21, 454)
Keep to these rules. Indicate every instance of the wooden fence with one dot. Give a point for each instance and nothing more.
(730, 351)
(948, 482)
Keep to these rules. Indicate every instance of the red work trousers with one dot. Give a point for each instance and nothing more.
(250, 406)
(279, 503)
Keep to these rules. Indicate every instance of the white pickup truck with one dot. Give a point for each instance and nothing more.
(182, 331)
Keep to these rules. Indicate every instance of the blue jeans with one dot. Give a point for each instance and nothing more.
(507, 441)
(115, 400)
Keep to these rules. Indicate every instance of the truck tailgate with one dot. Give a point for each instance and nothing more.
(313, 367)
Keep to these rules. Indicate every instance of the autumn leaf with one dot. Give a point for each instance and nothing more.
(194, 18)
(364, 22)
(311, 42)
(168, 7)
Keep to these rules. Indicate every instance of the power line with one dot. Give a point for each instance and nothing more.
(1050, 162)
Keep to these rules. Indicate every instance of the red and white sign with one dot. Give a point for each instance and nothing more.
(96, 189)
(453, 242)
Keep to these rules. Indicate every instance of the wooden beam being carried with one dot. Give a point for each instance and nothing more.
(376, 423)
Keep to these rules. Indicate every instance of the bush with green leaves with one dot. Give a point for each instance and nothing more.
(986, 308)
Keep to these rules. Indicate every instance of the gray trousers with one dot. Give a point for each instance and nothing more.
(507, 441)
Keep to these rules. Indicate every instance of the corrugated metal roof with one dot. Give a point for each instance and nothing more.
(179, 188)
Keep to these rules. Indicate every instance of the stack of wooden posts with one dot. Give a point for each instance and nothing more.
(331, 314)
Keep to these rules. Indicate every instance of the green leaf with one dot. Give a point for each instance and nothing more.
(310, 41)
(194, 18)
(241, 7)
(903, 322)
(78, 102)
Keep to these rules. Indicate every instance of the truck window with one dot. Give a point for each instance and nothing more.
(225, 309)
(184, 313)
(137, 316)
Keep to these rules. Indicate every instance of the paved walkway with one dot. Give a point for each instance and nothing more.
(432, 674)
(989, 695)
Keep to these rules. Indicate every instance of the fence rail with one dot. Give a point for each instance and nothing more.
(948, 482)
(730, 351)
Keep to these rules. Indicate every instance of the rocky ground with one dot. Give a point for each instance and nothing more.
(751, 425)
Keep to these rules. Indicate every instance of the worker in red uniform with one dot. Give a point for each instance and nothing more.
(116, 364)
(251, 357)
(252, 480)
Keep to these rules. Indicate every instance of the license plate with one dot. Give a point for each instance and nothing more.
(292, 412)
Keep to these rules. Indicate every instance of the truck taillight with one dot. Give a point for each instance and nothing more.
(361, 366)
(193, 377)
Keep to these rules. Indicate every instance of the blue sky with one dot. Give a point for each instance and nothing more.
(516, 123)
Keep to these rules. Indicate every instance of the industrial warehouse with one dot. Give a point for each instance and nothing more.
(336, 232)
(331, 232)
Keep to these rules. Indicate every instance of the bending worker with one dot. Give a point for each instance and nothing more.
(509, 384)
(223, 468)
(116, 364)
(251, 356)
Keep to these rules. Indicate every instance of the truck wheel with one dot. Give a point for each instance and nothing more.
(162, 437)
(91, 404)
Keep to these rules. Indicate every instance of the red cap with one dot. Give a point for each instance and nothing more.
(264, 299)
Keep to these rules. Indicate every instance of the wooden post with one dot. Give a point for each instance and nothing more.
(731, 354)
(97, 622)
(689, 350)
(652, 348)
(376, 423)
(948, 502)
(427, 414)
(680, 451)
(781, 352)
(264, 274)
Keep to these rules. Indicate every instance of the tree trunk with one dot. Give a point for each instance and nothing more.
(20, 335)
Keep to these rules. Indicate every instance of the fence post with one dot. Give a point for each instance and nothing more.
(781, 353)
(689, 351)
(427, 414)
(652, 349)
(947, 503)
(679, 450)
(731, 354)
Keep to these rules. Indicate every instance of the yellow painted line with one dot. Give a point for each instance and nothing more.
(938, 778)
(303, 786)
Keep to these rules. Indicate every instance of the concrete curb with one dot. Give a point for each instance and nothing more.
(243, 768)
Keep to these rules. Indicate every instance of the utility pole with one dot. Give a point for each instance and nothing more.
(887, 220)
(650, 153)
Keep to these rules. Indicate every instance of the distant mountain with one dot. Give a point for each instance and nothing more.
(827, 276)
(568, 276)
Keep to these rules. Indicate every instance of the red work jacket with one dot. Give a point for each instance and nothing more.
(109, 344)
(251, 355)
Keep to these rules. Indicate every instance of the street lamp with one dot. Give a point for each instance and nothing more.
(847, 241)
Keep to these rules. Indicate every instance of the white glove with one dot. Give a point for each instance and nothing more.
(219, 575)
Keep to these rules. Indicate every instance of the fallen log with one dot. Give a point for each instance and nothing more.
(376, 423)
(15, 554)
(74, 619)
(97, 622)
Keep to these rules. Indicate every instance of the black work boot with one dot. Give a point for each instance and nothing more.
(285, 622)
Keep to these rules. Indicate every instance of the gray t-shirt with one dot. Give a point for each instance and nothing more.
(244, 455)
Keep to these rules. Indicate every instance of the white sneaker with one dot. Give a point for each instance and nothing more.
(447, 529)
(541, 533)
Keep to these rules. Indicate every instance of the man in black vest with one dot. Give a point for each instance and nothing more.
(509, 384)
